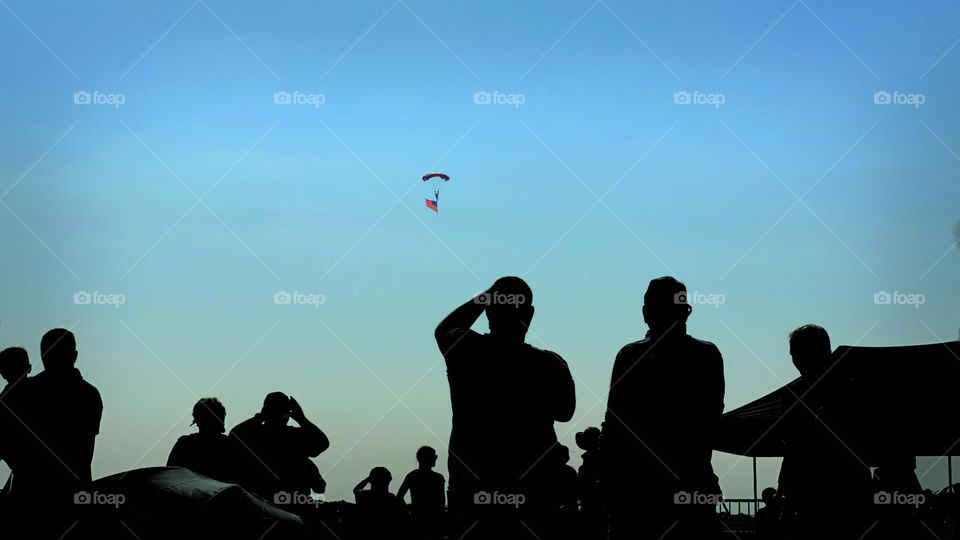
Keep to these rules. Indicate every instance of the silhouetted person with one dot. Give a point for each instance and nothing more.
(208, 452)
(768, 517)
(666, 396)
(63, 412)
(591, 497)
(506, 396)
(815, 460)
(427, 494)
(382, 514)
(14, 367)
(897, 496)
(274, 458)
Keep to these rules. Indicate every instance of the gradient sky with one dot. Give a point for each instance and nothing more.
(199, 198)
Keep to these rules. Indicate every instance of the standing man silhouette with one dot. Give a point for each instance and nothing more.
(666, 396)
(506, 396)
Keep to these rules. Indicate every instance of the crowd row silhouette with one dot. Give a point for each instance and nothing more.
(645, 473)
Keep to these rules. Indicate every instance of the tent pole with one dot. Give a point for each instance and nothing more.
(950, 471)
(756, 505)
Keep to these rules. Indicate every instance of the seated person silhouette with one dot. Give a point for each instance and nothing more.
(501, 389)
(427, 494)
(207, 452)
(591, 497)
(588, 440)
(768, 517)
(381, 513)
(665, 400)
(14, 367)
(63, 412)
(815, 459)
(273, 457)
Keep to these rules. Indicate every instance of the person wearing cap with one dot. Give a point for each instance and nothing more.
(666, 396)
(207, 452)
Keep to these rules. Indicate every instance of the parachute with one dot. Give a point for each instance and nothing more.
(438, 179)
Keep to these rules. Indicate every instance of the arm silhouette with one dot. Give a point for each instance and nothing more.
(315, 440)
(461, 318)
(404, 487)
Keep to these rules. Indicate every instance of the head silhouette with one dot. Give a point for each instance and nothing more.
(209, 415)
(14, 363)
(509, 308)
(380, 479)
(276, 409)
(768, 495)
(427, 457)
(588, 439)
(665, 304)
(810, 349)
(58, 350)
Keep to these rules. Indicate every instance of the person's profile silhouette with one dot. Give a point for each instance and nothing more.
(208, 451)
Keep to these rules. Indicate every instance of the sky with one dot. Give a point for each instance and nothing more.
(791, 162)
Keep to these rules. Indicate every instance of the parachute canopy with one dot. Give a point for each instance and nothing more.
(430, 176)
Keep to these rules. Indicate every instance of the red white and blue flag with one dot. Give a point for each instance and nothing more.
(432, 205)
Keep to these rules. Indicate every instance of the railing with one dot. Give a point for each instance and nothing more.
(739, 517)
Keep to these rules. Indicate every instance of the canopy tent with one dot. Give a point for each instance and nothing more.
(886, 400)
(173, 502)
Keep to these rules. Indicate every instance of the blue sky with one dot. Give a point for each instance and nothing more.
(198, 198)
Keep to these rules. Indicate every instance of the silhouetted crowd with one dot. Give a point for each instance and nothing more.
(646, 472)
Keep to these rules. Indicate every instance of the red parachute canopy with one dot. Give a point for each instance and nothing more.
(435, 175)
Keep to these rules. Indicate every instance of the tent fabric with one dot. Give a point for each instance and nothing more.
(168, 502)
(887, 401)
